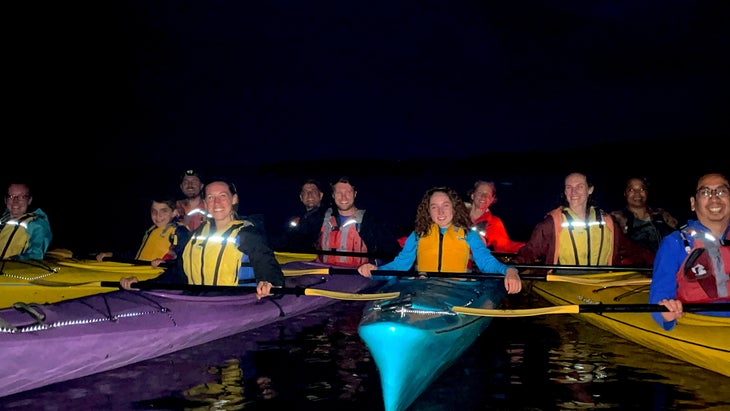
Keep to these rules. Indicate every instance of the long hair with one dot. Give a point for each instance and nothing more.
(423, 216)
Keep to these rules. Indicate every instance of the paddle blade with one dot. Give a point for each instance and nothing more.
(349, 296)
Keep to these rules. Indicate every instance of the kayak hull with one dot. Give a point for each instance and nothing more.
(697, 339)
(414, 338)
(101, 332)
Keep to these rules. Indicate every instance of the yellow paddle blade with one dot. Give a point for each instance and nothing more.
(306, 271)
(60, 253)
(111, 267)
(529, 312)
(337, 295)
(49, 283)
(284, 257)
(597, 281)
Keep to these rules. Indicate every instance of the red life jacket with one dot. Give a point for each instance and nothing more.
(346, 238)
(704, 275)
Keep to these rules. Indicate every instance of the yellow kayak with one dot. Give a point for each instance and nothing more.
(697, 339)
(16, 278)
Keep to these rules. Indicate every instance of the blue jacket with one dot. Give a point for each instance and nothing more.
(483, 258)
(669, 259)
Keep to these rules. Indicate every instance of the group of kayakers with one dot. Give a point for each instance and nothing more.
(212, 244)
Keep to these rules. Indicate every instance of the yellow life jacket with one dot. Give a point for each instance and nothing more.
(14, 236)
(213, 257)
(158, 243)
(447, 252)
(583, 242)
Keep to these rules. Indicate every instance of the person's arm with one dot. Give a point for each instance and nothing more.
(669, 259)
(39, 238)
(487, 263)
(536, 249)
(263, 261)
(483, 258)
(402, 262)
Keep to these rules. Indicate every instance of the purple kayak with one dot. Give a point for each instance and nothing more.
(87, 335)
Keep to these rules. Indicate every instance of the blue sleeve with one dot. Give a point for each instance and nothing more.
(483, 258)
(39, 238)
(404, 260)
(667, 262)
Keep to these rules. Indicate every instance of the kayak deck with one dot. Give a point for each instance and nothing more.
(697, 339)
(101, 332)
(414, 338)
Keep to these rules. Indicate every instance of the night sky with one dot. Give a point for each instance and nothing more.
(109, 101)
(270, 81)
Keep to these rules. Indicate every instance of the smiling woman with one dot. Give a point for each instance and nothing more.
(23, 234)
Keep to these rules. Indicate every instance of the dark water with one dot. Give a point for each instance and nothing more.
(317, 362)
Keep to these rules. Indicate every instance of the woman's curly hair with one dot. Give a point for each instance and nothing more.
(423, 216)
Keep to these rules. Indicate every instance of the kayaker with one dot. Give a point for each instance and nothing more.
(578, 232)
(642, 224)
(216, 250)
(693, 262)
(191, 208)
(489, 227)
(24, 235)
(302, 230)
(163, 242)
(349, 229)
(442, 242)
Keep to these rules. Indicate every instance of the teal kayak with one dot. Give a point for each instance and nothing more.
(415, 337)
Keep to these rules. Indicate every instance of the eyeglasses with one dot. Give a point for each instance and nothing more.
(21, 197)
(707, 192)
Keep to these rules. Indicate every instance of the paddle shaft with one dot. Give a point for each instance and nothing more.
(429, 274)
(645, 308)
(133, 261)
(143, 285)
(581, 267)
(589, 308)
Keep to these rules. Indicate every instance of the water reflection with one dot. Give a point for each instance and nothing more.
(318, 362)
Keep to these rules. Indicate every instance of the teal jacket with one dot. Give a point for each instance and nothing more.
(39, 236)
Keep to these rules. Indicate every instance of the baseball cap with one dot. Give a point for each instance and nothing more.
(190, 172)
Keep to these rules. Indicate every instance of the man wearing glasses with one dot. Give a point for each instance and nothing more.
(23, 235)
(693, 263)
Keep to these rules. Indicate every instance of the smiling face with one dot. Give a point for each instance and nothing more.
(636, 193)
(441, 209)
(310, 196)
(344, 195)
(483, 196)
(191, 186)
(162, 214)
(712, 207)
(18, 199)
(577, 191)
(220, 201)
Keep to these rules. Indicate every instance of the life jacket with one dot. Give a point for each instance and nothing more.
(334, 237)
(496, 240)
(214, 259)
(583, 243)
(448, 252)
(158, 243)
(14, 236)
(646, 233)
(703, 277)
(192, 217)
